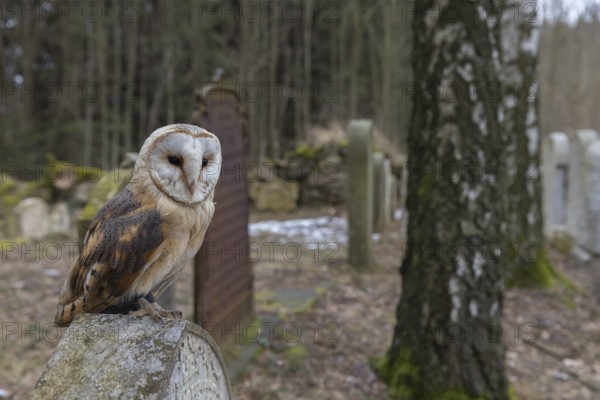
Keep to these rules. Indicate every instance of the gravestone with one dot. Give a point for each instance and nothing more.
(60, 220)
(382, 192)
(223, 280)
(33, 215)
(591, 175)
(576, 200)
(360, 194)
(102, 356)
(275, 195)
(387, 193)
(378, 189)
(555, 170)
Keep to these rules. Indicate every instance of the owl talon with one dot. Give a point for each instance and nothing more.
(155, 311)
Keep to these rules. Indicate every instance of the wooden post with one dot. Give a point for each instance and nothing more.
(360, 201)
(223, 280)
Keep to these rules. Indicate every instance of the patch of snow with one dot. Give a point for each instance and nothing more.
(308, 230)
(398, 214)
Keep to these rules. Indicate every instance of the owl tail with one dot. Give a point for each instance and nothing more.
(65, 313)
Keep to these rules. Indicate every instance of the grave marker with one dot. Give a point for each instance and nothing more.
(555, 172)
(578, 186)
(360, 199)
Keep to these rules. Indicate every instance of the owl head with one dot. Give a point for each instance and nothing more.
(183, 161)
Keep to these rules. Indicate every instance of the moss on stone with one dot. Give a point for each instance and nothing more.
(7, 184)
(306, 151)
(562, 242)
(7, 245)
(81, 173)
(108, 186)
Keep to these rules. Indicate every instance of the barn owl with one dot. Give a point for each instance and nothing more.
(140, 240)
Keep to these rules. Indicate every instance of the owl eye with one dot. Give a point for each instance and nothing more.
(204, 162)
(174, 160)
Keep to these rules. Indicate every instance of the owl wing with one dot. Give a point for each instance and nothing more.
(121, 241)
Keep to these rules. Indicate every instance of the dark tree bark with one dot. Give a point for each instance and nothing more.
(447, 336)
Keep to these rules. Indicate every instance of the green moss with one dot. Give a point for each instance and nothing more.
(457, 394)
(80, 173)
(13, 191)
(10, 200)
(8, 245)
(264, 296)
(7, 184)
(539, 273)
(401, 376)
(307, 151)
(512, 394)
(425, 185)
(298, 351)
(404, 380)
(111, 183)
(89, 211)
(296, 355)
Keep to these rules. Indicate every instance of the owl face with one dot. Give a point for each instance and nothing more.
(183, 161)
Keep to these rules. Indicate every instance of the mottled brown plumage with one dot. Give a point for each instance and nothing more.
(140, 240)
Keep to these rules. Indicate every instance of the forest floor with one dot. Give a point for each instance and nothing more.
(328, 319)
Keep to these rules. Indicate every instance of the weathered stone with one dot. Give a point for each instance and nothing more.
(580, 254)
(109, 185)
(360, 194)
(591, 177)
(378, 185)
(326, 184)
(276, 195)
(576, 200)
(60, 220)
(82, 193)
(33, 216)
(114, 356)
(387, 193)
(555, 172)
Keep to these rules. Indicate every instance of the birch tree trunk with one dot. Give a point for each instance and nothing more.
(447, 336)
(531, 265)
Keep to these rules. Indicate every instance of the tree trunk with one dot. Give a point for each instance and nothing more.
(405, 74)
(116, 97)
(132, 49)
(530, 266)
(447, 336)
(89, 105)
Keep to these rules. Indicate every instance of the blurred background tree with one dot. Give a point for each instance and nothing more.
(76, 80)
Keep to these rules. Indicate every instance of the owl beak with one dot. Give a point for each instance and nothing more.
(191, 187)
